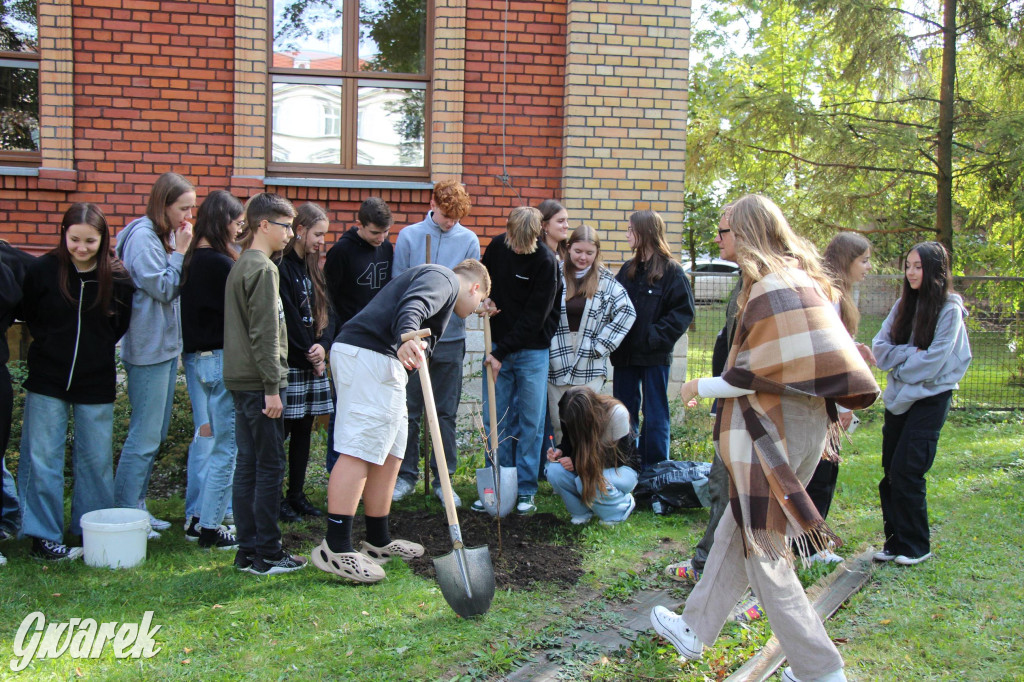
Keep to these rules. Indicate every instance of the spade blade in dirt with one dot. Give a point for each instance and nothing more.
(466, 578)
(489, 491)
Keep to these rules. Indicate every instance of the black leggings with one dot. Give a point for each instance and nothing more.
(300, 432)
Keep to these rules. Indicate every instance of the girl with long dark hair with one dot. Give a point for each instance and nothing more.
(77, 304)
(923, 345)
(554, 227)
(310, 331)
(661, 296)
(152, 249)
(211, 456)
(592, 468)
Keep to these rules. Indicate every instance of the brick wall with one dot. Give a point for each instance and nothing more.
(529, 95)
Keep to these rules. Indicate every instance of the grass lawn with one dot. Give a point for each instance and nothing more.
(958, 615)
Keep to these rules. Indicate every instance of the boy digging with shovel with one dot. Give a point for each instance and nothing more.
(367, 360)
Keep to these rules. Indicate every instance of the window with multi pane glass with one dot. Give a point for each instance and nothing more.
(349, 86)
(19, 81)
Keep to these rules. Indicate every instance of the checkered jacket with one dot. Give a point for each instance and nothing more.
(606, 319)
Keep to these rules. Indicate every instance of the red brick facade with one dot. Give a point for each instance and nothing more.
(155, 87)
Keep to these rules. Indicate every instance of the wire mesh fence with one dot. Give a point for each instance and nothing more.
(995, 379)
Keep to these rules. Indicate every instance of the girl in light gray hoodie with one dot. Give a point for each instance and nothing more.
(152, 249)
(924, 346)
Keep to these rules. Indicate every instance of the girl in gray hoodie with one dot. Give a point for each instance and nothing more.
(924, 346)
(152, 249)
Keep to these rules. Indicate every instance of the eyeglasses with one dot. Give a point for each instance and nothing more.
(287, 226)
(724, 232)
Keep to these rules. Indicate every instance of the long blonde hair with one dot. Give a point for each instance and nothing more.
(586, 285)
(841, 252)
(765, 244)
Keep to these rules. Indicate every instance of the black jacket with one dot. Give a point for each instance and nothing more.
(355, 273)
(13, 264)
(525, 288)
(202, 301)
(299, 301)
(72, 353)
(421, 297)
(664, 311)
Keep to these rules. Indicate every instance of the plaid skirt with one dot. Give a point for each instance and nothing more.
(307, 394)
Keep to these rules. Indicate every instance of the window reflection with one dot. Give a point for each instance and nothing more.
(390, 125)
(19, 108)
(306, 122)
(393, 36)
(308, 26)
(19, 30)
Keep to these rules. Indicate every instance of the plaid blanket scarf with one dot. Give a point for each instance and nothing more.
(789, 342)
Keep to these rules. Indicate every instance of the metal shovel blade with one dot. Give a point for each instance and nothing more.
(488, 491)
(466, 579)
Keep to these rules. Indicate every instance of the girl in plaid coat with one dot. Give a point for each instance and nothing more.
(596, 314)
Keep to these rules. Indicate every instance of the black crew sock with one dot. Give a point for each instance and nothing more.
(339, 533)
(377, 531)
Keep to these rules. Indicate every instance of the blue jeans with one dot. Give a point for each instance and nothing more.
(151, 394)
(211, 459)
(646, 388)
(259, 472)
(10, 512)
(610, 504)
(521, 392)
(10, 517)
(41, 469)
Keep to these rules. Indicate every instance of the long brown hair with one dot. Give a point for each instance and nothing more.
(585, 416)
(306, 216)
(167, 189)
(765, 243)
(919, 308)
(106, 264)
(649, 231)
(841, 252)
(586, 285)
(549, 208)
(213, 223)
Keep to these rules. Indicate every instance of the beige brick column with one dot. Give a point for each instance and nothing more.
(626, 81)
(56, 76)
(250, 111)
(448, 104)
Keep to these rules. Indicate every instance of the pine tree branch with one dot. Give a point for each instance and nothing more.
(824, 164)
(900, 10)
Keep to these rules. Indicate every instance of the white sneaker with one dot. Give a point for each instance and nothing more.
(3, 560)
(911, 561)
(580, 520)
(826, 557)
(402, 488)
(672, 627)
(153, 535)
(455, 497)
(883, 556)
(834, 676)
(158, 524)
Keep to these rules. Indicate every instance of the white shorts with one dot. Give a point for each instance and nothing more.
(372, 420)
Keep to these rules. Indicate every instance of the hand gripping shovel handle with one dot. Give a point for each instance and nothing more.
(435, 434)
(492, 407)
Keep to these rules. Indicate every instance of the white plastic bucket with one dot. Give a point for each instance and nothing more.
(115, 538)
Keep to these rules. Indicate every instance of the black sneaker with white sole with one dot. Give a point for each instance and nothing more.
(217, 538)
(283, 563)
(192, 532)
(243, 560)
(48, 550)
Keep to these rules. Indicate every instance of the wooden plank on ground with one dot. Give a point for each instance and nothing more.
(827, 595)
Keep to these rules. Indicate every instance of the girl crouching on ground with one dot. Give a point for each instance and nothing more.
(592, 470)
(77, 304)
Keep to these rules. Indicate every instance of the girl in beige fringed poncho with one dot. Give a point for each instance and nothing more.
(791, 362)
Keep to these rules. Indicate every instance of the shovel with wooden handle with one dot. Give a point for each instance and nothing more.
(465, 574)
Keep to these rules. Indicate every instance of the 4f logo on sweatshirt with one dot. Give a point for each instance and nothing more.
(374, 275)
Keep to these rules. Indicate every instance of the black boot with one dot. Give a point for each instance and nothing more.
(304, 507)
(288, 514)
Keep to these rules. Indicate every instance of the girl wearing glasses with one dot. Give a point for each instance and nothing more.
(152, 249)
(310, 331)
(211, 456)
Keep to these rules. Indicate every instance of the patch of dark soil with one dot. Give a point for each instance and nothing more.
(537, 548)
